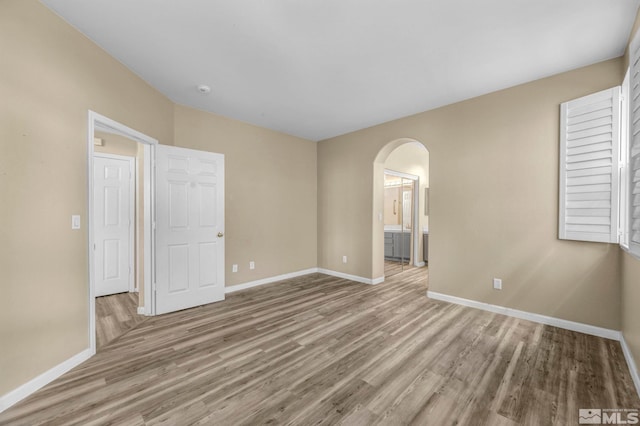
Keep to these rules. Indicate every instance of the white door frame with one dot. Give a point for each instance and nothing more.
(415, 231)
(133, 179)
(102, 123)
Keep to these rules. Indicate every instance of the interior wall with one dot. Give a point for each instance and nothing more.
(494, 201)
(50, 76)
(630, 301)
(270, 193)
(116, 144)
(120, 145)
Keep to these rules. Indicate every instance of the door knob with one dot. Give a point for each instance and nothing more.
(220, 235)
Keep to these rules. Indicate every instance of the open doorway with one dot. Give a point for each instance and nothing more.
(186, 190)
(120, 228)
(400, 240)
(118, 224)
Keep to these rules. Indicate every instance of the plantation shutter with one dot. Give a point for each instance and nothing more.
(634, 150)
(589, 145)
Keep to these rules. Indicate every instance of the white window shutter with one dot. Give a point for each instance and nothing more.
(634, 149)
(589, 153)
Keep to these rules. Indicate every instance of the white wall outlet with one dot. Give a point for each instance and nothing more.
(252, 265)
(75, 221)
(234, 268)
(344, 259)
(497, 284)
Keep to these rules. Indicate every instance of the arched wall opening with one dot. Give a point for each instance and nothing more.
(406, 163)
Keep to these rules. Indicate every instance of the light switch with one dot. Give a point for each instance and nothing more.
(75, 221)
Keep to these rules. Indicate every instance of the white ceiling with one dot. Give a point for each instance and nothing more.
(318, 69)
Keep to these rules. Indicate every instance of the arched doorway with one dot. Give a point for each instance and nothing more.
(400, 201)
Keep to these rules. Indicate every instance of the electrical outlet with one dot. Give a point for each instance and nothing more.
(497, 284)
(344, 259)
(252, 265)
(234, 268)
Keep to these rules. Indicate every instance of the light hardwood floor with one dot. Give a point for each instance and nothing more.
(115, 315)
(392, 267)
(322, 350)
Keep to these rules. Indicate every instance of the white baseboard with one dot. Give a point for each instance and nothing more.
(542, 319)
(269, 280)
(633, 368)
(421, 264)
(141, 310)
(45, 378)
(356, 278)
(378, 280)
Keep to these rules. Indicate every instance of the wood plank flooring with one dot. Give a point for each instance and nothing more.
(322, 350)
(115, 315)
(392, 267)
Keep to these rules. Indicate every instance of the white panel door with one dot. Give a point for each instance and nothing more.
(189, 228)
(113, 195)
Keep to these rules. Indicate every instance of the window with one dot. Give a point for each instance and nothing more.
(600, 163)
(633, 193)
(623, 215)
(589, 167)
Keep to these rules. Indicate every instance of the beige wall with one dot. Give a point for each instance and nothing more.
(54, 76)
(494, 202)
(630, 302)
(290, 204)
(116, 144)
(50, 76)
(630, 277)
(270, 193)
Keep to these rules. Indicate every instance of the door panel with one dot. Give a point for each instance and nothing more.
(189, 216)
(113, 223)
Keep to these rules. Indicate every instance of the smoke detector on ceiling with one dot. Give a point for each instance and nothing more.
(204, 89)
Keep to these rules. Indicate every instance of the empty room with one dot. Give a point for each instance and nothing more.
(319, 212)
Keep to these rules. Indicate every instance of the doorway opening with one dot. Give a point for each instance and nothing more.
(400, 240)
(120, 218)
(400, 219)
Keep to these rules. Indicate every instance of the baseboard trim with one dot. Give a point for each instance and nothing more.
(421, 264)
(631, 363)
(371, 281)
(42, 380)
(268, 280)
(542, 319)
(377, 280)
